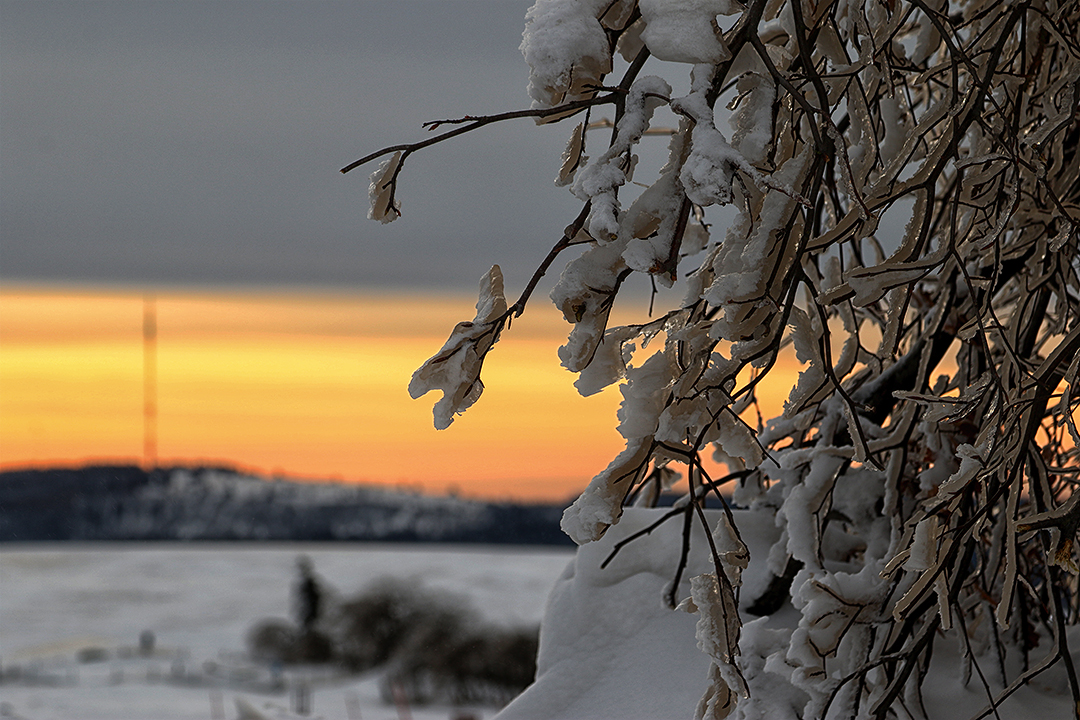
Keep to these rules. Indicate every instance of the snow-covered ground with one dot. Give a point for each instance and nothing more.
(199, 601)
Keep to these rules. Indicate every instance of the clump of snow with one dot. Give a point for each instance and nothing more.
(805, 333)
(609, 361)
(600, 505)
(686, 31)
(738, 268)
(734, 554)
(455, 369)
(718, 628)
(752, 121)
(599, 183)
(584, 294)
(924, 545)
(708, 171)
(644, 394)
(652, 219)
(971, 463)
(566, 49)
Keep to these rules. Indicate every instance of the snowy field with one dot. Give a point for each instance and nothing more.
(199, 601)
(640, 663)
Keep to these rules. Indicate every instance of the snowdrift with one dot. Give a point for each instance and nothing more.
(611, 648)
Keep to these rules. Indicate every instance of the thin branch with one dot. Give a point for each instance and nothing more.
(475, 123)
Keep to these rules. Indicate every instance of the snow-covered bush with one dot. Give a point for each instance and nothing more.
(905, 188)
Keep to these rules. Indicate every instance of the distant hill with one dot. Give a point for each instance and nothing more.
(128, 503)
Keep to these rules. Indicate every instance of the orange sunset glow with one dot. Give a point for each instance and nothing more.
(311, 386)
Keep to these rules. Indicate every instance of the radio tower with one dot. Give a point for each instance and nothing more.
(149, 381)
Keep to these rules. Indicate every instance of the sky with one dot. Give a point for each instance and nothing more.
(309, 386)
(191, 149)
(198, 142)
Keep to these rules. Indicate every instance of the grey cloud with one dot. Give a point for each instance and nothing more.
(199, 142)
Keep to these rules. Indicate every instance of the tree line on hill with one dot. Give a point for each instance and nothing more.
(114, 503)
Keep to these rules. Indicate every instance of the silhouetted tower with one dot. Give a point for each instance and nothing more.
(149, 381)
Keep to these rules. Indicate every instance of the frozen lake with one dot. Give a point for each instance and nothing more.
(199, 601)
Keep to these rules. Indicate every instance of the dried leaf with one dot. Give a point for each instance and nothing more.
(572, 157)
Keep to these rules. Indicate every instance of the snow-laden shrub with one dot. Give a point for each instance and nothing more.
(904, 194)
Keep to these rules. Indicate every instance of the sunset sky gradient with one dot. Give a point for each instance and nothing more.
(310, 386)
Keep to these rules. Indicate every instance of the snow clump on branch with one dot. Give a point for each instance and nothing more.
(600, 181)
(567, 50)
(685, 31)
(455, 369)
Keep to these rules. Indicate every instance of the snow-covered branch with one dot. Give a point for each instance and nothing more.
(901, 183)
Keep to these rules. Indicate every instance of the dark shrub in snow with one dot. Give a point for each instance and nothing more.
(432, 646)
(485, 665)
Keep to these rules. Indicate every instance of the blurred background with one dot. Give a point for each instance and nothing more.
(185, 277)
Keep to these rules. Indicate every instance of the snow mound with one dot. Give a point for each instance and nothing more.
(609, 645)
